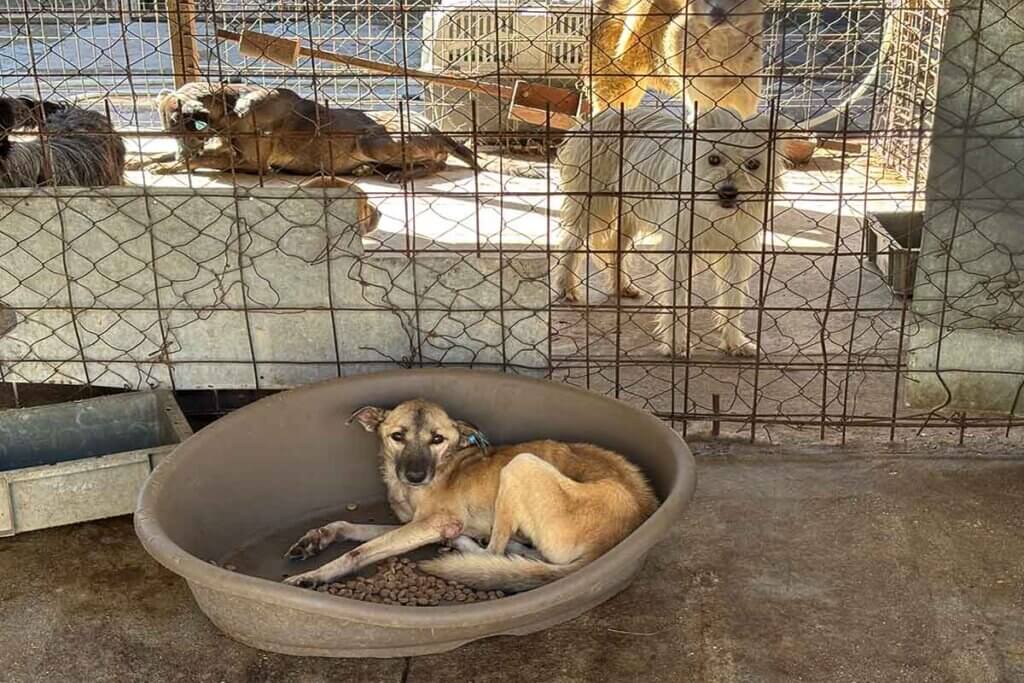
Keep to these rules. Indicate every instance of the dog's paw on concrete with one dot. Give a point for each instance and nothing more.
(740, 346)
(665, 349)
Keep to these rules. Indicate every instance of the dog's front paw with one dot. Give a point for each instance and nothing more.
(665, 349)
(307, 580)
(739, 345)
(629, 292)
(313, 542)
(363, 171)
(135, 163)
(168, 168)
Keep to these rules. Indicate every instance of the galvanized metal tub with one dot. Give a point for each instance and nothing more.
(82, 460)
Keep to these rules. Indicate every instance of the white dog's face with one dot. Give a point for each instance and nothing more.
(732, 162)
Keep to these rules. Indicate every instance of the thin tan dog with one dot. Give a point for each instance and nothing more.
(706, 51)
(572, 502)
(275, 128)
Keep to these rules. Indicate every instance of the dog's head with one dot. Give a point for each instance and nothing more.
(746, 16)
(190, 120)
(417, 438)
(736, 163)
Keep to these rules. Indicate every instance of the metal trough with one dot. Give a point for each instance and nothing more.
(72, 462)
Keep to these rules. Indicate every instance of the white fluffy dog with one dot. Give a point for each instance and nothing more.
(703, 188)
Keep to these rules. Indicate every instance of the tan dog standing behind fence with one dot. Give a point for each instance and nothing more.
(708, 52)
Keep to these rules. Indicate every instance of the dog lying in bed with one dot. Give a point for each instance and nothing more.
(257, 129)
(572, 502)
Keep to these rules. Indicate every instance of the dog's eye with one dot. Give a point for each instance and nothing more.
(436, 439)
(753, 164)
(398, 437)
(714, 160)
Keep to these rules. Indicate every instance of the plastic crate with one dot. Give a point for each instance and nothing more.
(500, 44)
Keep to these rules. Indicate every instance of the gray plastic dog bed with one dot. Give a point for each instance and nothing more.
(243, 489)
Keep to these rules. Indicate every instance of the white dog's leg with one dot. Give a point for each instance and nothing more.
(732, 284)
(670, 328)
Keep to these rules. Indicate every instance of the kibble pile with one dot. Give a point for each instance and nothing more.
(398, 582)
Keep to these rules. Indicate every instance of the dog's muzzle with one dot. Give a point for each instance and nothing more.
(414, 471)
(728, 196)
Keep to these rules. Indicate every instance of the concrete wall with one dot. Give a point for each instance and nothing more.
(241, 288)
(967, 348)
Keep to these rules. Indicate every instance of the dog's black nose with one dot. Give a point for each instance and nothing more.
(728, 192)
(415, 476)
(718, 14)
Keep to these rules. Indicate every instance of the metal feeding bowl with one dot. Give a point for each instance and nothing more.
(239, 492)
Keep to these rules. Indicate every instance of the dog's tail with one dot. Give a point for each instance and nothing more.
(457, 149)
(486, 571)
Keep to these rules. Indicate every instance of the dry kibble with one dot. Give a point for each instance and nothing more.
(398, 581)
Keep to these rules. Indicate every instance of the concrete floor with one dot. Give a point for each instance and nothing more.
(811, 564)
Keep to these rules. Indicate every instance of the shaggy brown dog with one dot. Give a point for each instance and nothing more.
(266, 129)
(707, 51)
(80, 148)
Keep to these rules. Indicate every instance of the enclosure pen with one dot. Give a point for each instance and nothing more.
(212, 270)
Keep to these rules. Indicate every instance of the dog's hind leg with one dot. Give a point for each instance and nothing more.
(465, 544)
(315, 541)
(415, 534)
(141, 161)
(582, 216)
(540, 503)
(672, 299)
(732, 273)
(416, 156)
(612, 250)
(566, 273)
(414, 171)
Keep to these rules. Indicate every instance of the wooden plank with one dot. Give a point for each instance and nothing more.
(181, 17)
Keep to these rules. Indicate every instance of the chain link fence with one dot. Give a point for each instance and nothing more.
(195, 277)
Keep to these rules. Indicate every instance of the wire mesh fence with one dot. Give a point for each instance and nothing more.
(283, 214)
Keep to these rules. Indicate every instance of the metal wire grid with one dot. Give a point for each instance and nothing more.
(909, 110)
(267, 288)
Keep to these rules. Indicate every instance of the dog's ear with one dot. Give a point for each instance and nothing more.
(370, 417)
(470, 435)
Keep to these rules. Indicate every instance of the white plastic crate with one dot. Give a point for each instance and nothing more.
(500, 44)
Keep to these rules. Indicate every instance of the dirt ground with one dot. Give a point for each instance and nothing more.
(792, 564)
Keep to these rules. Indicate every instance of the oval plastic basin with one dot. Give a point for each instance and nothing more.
(287, 462)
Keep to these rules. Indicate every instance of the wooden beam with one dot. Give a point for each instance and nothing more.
(181, 16)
